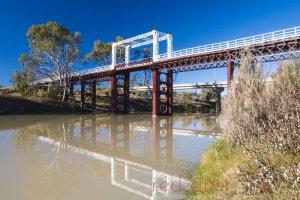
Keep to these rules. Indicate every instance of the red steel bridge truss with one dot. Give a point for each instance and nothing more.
(268, 47)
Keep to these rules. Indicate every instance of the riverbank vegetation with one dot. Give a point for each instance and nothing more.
(15, 102)
(259, 157)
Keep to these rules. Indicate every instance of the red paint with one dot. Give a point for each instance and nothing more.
(82, 94)
(229, 73)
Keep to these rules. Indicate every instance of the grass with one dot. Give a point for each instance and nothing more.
(217, 169)
(217, 176)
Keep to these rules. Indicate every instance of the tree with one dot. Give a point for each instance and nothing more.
(21, 80)
(101, 53)
(144, 77)
(54, 50)
(207, 94)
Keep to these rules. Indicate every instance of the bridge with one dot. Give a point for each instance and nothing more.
(188, 86)
(267, 47)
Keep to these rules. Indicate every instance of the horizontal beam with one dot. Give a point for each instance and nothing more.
(148, 42)
(188, 86)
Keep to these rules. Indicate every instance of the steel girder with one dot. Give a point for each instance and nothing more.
(270, 52)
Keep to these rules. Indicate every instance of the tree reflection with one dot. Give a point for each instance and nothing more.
(52, 174)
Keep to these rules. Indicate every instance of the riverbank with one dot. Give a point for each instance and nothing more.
(11, 103)
(219, 176)
(16, 105)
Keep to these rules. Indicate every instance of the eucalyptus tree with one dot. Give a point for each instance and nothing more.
(53, 52)
(101, 53)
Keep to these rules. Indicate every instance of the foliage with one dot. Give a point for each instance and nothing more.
(185, 96)
(53, 52)
(21, 80)
(101, 53)
(42, 93)
(263, 117)
(215, 173)
(207, 94)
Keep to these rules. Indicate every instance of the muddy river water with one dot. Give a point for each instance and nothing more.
(91, 157)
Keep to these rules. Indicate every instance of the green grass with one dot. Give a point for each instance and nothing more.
(217, 169)
(217, 176)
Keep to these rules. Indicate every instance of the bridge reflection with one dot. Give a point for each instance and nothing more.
(139, 150)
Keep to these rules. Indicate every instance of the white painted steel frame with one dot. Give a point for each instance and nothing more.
(153, 37)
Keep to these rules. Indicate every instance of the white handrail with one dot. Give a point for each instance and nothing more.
(256, 39)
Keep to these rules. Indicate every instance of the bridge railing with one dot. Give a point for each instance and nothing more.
(256, 39)
(92, 70)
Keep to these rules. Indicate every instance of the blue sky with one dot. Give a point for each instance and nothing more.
(192, 23)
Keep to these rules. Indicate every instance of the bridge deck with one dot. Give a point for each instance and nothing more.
(273, 46)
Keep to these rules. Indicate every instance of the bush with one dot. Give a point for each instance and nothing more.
(42, 93)
(53, 91)
(264, 118)
(21, 80)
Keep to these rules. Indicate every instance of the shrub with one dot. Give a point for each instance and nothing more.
(264, 118)
(21, 80)
(42, 93)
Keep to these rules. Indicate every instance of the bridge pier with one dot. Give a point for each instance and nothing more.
(218, 91)
(71, 89)
(84, 93)
(162, 92)
(120, 93)
(230, 70)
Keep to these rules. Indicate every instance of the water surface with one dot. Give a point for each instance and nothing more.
(101, 157)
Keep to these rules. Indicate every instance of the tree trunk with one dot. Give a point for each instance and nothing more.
(64, 98)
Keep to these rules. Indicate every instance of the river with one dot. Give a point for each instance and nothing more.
(74, 157)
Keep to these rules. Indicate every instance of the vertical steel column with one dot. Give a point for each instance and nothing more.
(162, 92)
(113, 56)
(170, 92)
(112, 93)
(155, 45)
(127, 54)
(94, 93)
(169, 45)
(71, 89)
(230, 68)
(155, 91)
(82, 94)
(120, 93)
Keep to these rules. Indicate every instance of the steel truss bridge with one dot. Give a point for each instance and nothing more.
(267, 47)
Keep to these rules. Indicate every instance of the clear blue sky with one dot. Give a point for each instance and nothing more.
(191, 23)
